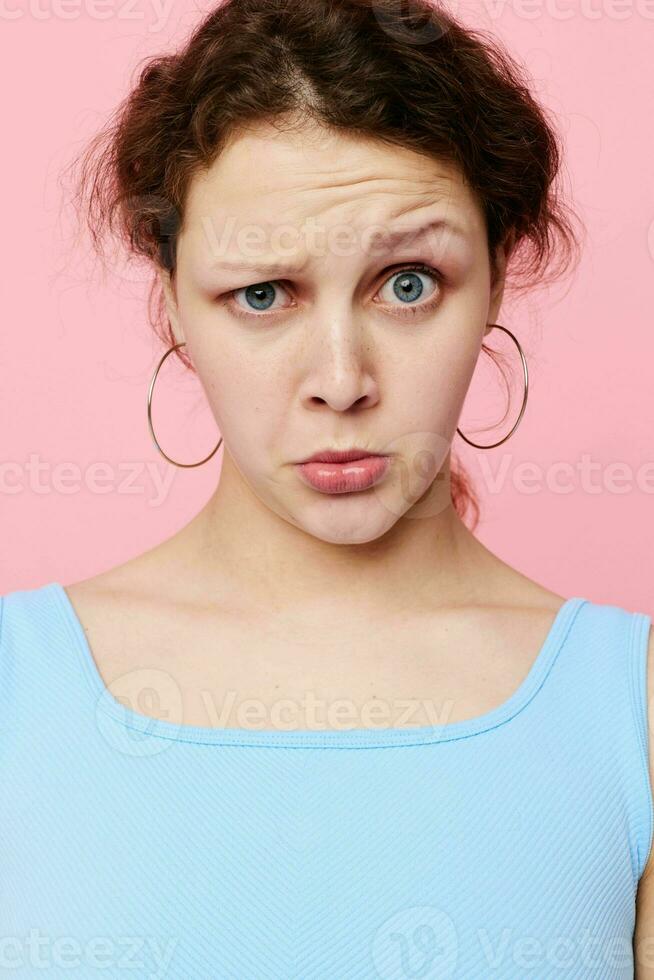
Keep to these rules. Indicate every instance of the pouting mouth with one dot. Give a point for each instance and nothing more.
(339, 456)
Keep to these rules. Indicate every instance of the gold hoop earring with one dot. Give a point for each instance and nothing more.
(151, 389)
(524, 400)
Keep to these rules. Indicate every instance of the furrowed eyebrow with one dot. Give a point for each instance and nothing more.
(393, 238)
(382, 241)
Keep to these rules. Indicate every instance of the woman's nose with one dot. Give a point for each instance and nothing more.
(339, 371)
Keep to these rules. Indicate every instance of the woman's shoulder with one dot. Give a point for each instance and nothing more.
(30, 612)
(26, 603)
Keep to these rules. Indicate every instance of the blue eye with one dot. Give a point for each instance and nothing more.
(407, 285)
(258, 296)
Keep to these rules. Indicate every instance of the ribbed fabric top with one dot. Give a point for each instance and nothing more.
(509, 845)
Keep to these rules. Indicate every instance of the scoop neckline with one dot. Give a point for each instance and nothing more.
(374, 737)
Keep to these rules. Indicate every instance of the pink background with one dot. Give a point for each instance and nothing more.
(77, 354)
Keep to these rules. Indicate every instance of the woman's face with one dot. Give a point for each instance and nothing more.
(333, 292)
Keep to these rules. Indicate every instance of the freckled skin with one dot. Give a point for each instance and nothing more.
(333, 359)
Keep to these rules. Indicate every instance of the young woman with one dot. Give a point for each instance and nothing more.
(322, 731)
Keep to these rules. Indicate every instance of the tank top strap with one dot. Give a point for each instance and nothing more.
(43, 689)
(593, 712)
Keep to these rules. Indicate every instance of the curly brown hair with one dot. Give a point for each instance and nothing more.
(402, 72)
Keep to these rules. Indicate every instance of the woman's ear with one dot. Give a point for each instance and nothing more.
(168, 285)
(502, 254)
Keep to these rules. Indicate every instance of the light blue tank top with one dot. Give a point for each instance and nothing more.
(506, 846)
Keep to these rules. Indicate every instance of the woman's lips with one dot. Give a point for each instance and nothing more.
(358, 474)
